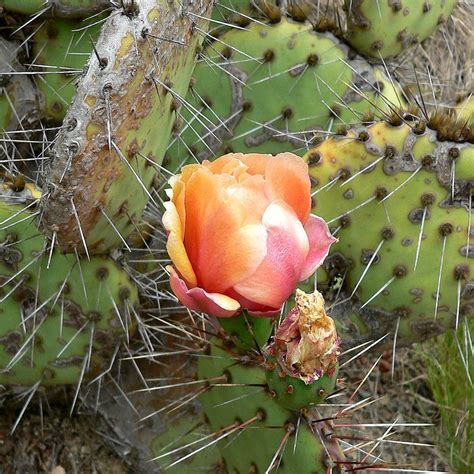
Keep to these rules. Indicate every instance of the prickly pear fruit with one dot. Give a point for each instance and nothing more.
(246, 332)
(105, 160)
(399, 198)
(294, 394)
(60, 318)
(383, 29)
(266, 89)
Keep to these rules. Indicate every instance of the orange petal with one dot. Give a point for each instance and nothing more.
(256, 162)
(229, 164)
(287, 178)
(224, 239)
(175, 244)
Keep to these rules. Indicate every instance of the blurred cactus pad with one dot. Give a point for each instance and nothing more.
(102, 102)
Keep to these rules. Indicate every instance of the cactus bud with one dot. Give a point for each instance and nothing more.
(306, 345)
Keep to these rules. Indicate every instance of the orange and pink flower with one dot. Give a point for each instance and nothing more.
(240, 233)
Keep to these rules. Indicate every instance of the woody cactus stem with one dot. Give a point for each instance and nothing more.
(117, 128)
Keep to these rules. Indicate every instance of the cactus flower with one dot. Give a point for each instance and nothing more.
(306, 343)
(240, 233)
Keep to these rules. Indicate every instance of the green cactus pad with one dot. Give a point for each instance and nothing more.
(385, 28)
(58, 8)
(62, 47)
(268, 88)
(242, 396)
(59, 322)
(387, 193)
(247, 332)
(294, 394)
(180, 432)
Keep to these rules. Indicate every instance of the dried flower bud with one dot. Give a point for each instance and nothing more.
(306, 345)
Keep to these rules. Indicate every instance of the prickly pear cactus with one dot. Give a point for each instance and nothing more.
(106, 158)
(267, 88)
(60, 318)
(266, 393)
(399, 198)
(385, 28)
(241, 406)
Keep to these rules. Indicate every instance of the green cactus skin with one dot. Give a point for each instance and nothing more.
(408, 160)
(246, 332)
(52, 315)
(133, 90)
(16, 90)
(57, 8)
(294, 394)
(266, 90)
(385, 28)
(182, 431)
(60, 48)
(465, 109)
(241, 398)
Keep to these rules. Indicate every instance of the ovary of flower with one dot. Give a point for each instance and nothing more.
(240, 233)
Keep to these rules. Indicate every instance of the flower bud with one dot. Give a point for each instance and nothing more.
(306, 345)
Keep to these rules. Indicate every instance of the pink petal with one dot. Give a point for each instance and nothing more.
(320, 240)
(197, 299)
(287, 248)
(270, 313)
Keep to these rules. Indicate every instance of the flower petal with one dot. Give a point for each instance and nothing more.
(197, 299)
(287, 179)
(175, 244)
(256, 162)
(320, 240)
(287, 248)
(228, 164)
(224, 238)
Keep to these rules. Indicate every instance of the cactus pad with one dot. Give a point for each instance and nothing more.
(266, 89)
(256, 432)
(59, 318)
(385, 28)
(399, 200)
(62, 47)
